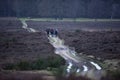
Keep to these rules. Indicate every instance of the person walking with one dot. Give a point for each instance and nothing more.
(56, 32)
(48, 32)
(52, 32)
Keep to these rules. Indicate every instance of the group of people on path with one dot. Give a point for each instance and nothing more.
(52, 32)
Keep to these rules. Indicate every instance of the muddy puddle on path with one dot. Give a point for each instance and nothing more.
(76, 64)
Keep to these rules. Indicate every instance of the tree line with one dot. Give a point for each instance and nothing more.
(60, 8)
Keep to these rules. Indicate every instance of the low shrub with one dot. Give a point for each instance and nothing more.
(40, 64)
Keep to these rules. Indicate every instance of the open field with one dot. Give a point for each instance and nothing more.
(104, 45)
(97, 38)
(69, 25)
(68, 19)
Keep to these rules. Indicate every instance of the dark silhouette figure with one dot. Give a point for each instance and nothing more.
(56, 32)
(48, 32)
(52, 32)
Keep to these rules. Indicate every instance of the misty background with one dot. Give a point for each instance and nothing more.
(60, 8)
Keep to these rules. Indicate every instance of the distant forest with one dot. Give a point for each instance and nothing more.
(60, 8)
